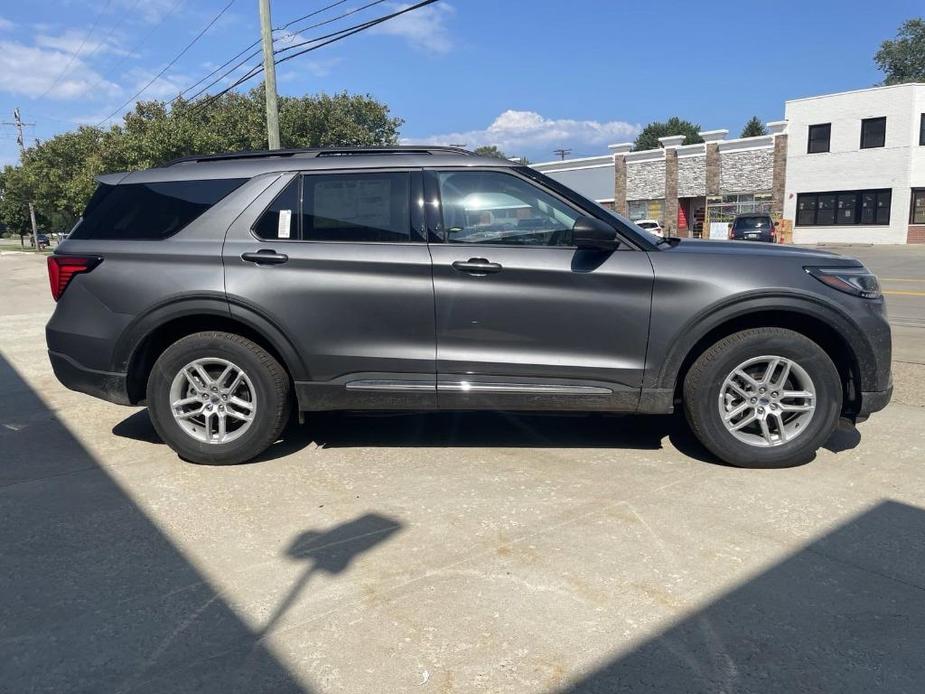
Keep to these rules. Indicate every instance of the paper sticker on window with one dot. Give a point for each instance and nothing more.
(285, 223)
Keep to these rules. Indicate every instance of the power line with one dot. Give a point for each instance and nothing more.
(172, 62)
(56, 80)
(126, 15)
(254, 54)
(346, 14)
(332, 38)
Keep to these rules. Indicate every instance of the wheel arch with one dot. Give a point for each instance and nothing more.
(827, 327)
(146, 339)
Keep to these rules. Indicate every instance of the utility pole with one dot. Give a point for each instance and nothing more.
(562, 153)
(269, 73)
(21, 141)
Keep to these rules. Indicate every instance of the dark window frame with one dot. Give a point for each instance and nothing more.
(858, 216)
(810, 138)
(922, 131)
(916, 192)
(868, 122)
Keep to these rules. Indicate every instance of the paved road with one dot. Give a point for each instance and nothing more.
(465, 553)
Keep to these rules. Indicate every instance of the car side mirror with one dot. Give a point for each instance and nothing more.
(592, 233)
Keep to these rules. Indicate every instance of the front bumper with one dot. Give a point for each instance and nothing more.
(874, 401)
(100, 384)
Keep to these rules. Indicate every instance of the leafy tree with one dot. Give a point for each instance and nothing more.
(903, 59)
(490, 151)
(58, 174)
(754, 128)
(648, 138)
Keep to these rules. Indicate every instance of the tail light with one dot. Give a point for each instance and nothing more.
(62, 268)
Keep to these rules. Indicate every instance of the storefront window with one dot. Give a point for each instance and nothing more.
(646, 209)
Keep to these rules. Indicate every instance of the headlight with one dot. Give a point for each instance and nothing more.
(858, 281)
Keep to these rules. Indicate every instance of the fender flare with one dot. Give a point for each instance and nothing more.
(803, 304)
(205, 303)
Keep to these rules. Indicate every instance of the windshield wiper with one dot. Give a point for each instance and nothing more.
(670, 240)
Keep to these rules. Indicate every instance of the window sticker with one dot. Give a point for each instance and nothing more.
(285, 224)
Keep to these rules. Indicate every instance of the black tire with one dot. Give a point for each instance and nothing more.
(705, 379)
(269, 379)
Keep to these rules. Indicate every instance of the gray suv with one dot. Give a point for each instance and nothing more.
(229, 292)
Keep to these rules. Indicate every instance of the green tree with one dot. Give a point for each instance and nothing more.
(490, 151)
(58, 174)
(648, 138)
(903, 59)
(754, 128)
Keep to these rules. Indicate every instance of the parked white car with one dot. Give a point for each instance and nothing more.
(653, 226)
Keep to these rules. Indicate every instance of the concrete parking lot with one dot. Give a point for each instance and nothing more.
(454, 553)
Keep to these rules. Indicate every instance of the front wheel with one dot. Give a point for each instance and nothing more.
(218, 398)
(763, 398)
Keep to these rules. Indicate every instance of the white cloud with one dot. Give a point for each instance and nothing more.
(528, 132)
(30, 70)
(5, 24)
(74, 40)
(424, 28)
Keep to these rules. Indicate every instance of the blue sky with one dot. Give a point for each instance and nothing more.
(528, 75)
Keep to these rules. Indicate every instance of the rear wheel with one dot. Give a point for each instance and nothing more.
(764, 398)
(218, 398)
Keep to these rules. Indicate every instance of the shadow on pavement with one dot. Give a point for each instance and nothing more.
(484, 430)
(846, 614)
(94, 597)
(466, 430)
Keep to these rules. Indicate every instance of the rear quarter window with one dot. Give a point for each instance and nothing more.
(144, 211)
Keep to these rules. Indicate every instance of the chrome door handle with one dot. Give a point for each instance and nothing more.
(265, 257)
(477, 267)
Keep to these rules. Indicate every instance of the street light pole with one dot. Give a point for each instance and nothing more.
(269, 73)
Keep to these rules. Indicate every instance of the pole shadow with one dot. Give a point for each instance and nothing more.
(331, 552)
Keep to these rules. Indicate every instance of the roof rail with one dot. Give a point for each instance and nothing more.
(323, 152)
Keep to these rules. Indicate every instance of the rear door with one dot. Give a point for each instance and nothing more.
(524, 319)
(337, 260)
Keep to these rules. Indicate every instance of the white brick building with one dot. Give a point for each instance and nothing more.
(856, 166)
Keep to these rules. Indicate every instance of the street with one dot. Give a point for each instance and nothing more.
(455, 552)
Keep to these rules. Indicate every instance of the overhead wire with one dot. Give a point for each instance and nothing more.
(331, 38)
(171, 63)
(256, 53)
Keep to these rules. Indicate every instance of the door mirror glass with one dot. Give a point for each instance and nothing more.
(592, 233)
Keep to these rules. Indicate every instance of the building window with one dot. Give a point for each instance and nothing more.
(918, 206)
(922, 130)
(819, 136)
(869, 207)
(646, 209)
(873, 132)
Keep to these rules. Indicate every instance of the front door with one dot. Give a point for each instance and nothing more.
(338, 261)
(524, 319)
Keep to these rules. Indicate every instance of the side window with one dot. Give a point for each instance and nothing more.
(281, 219)
(490, 207)
(146, 211)
(357, 207)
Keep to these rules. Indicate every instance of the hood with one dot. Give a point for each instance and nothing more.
(756, 248)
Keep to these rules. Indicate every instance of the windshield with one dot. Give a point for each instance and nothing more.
(647, 225)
